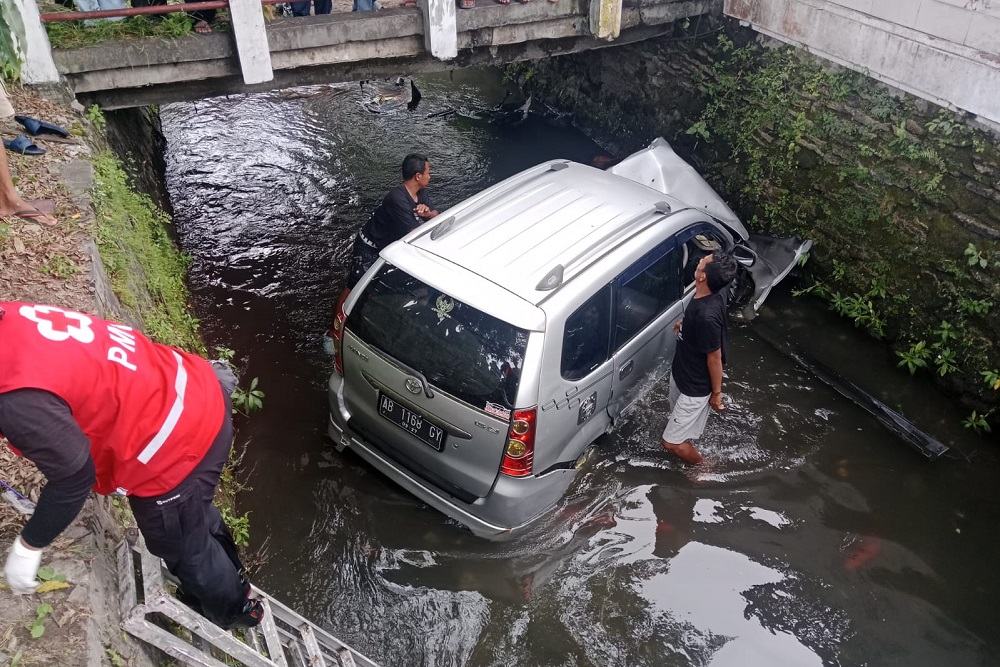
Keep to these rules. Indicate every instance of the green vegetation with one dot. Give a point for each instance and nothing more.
(249, 400)
(881, 187)
(70, 34)
(238, 525)
(96, 117)
(11, 38)
(37, 627)
(146, 269)
(60, 266)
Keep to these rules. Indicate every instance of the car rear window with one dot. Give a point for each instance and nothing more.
(459, 349)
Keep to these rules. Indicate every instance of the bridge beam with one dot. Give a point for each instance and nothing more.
(440, 28)
(606, 19)
(251, 41)
(39, 67)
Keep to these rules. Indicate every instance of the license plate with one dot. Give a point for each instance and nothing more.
(412, 422)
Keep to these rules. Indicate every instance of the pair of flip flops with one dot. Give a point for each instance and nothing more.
(25, 146)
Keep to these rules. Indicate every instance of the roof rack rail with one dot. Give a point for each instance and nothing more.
(452, 222)
(555, 276)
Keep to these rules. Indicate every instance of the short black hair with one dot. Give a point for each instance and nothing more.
(720, 271)
(413, 164)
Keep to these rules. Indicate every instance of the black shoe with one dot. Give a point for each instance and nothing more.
(251, 616)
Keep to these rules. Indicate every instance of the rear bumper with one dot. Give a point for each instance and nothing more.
(499, 515)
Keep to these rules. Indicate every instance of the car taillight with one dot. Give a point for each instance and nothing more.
(337, 333)
(520, 451)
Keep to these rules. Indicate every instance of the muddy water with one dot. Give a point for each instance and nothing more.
(814, 537)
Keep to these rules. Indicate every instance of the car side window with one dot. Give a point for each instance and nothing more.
(585, 340)
(646, 289)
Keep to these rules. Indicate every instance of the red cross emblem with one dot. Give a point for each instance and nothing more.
(58, 325)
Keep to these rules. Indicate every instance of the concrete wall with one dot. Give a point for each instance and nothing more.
(946, 51)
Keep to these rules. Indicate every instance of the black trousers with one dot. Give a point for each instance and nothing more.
(362, 258)
(186, 530)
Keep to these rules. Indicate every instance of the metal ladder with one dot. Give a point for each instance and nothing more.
(283, 639)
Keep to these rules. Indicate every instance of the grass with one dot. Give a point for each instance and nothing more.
(146, 269)
(72, 34)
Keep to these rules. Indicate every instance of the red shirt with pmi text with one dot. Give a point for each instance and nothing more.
(150, 411)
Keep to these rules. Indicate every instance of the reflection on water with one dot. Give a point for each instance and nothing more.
(810, 536)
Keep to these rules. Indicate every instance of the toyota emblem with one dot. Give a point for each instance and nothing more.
(413, 385)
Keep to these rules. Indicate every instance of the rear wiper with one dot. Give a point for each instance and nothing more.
(420, 376)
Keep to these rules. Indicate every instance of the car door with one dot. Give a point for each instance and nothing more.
(574, 399)
(647, 302)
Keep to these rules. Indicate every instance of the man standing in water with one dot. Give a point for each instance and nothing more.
(95, 404)
(405, 208)
(696, 375)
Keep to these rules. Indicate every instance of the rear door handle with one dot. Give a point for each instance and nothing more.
(624, 371)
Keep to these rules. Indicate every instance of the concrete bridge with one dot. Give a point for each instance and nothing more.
(432, 36)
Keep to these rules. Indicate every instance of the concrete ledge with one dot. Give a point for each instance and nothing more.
(334, 29)
(142, 53)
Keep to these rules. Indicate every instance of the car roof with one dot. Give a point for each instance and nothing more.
(530, 233)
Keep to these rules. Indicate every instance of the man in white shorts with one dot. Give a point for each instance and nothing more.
(696, 374)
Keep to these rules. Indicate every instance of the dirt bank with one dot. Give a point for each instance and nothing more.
(78, 623)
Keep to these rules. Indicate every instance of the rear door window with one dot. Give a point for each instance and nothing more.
(646, 289)
(585, 340)
(461, 350)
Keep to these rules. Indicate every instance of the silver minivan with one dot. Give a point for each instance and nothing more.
(483, 353)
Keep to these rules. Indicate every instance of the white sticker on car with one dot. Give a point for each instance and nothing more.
(497, 410)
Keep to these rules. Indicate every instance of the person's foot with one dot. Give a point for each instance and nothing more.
(684, 451)
(201, 27)
(32, 211)
(250, 617)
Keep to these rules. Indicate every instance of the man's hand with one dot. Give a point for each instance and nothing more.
(424, 211)
(22, 566)
(715, 400)
(677, 326)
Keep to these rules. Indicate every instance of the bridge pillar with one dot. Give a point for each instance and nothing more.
(38, 64)
(440, 28)
(606, 18)
(251, 40)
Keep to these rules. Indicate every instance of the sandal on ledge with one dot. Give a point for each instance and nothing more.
(466, 4)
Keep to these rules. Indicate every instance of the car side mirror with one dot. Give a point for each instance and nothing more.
(744, 256)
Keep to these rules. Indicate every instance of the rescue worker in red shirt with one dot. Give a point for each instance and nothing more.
(95, 404)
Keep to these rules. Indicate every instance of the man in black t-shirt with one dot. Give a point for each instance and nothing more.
(405, 208)
(696, 375)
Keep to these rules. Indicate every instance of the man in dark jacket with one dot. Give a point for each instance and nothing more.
(405, 208)
(696, 374)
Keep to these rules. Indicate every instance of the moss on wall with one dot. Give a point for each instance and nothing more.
(146, 269)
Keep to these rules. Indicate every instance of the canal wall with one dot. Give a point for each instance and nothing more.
(901, 197)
